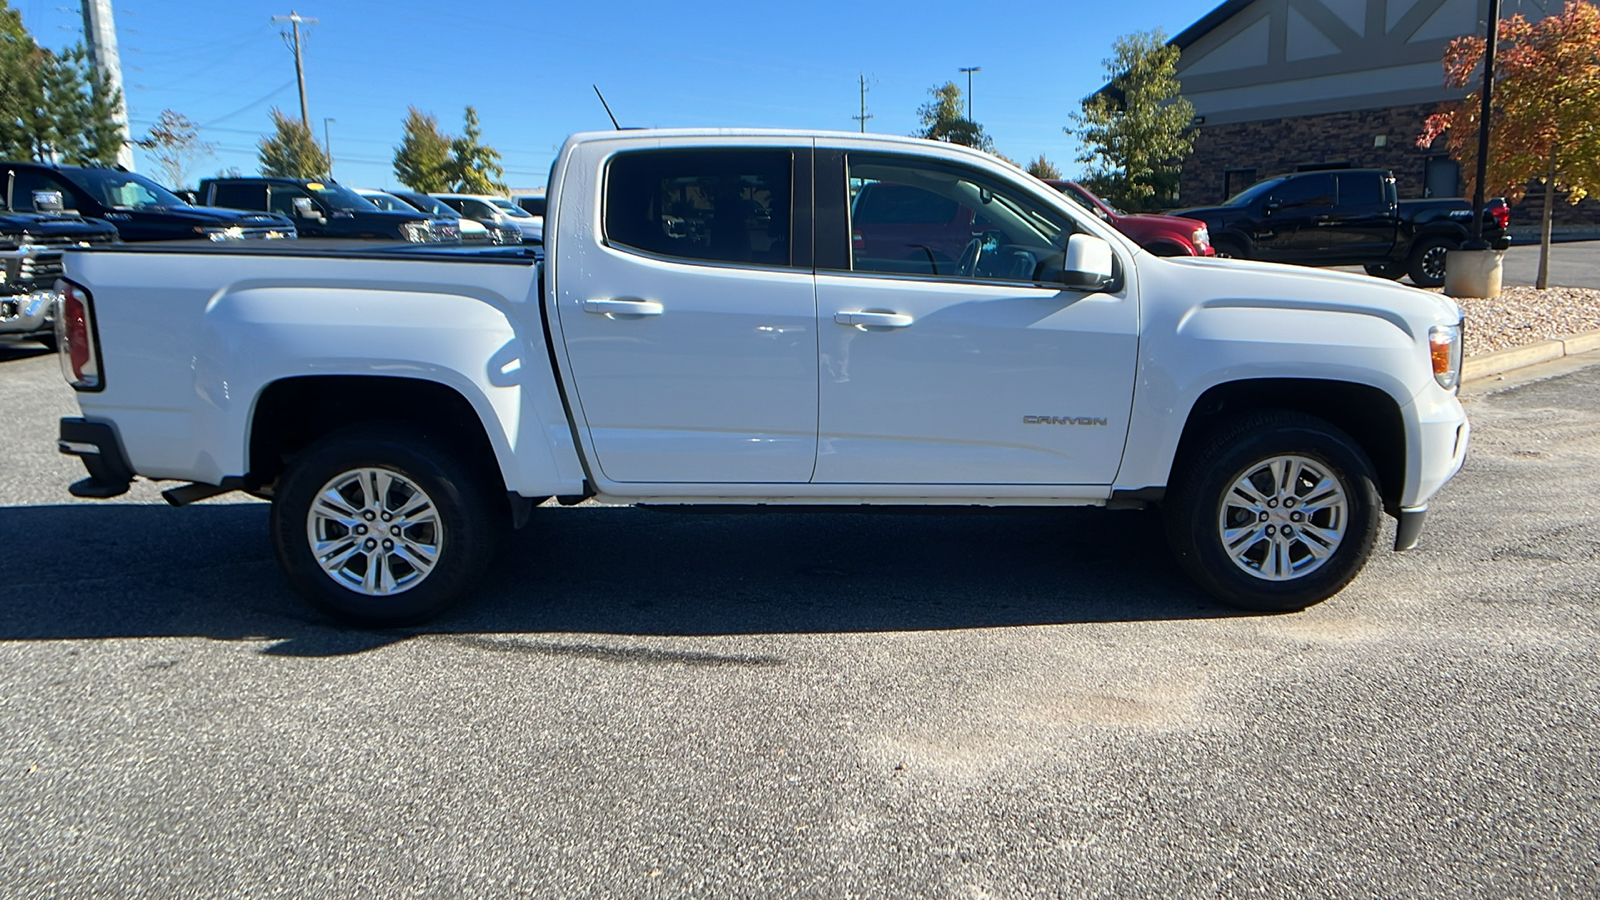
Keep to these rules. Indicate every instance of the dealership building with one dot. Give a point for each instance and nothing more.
(1284, 85)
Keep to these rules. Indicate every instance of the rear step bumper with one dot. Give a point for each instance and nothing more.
(96, 444)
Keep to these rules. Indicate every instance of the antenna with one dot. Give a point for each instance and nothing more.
(606, 105)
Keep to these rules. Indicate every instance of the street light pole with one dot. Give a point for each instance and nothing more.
(969, 70)
(1483, 126)
(327, 143)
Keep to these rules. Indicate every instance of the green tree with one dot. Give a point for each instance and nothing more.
(422, 161)
(53, 107)
(942, 120)
(1044, 169)
(1135, 131)
(1544, 120)
(291, 151)
(173, 144)
(474, 167)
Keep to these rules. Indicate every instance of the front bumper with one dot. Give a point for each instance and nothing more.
(27, 296)
(96, 444)
(27, 314)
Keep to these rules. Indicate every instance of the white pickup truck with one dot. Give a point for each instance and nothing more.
(714, 323)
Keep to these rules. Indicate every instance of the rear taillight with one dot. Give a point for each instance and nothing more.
(1502, 215)
(75, 336)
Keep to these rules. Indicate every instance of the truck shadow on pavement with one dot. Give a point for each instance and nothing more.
(87, 571)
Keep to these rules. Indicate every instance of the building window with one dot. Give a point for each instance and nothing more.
(1441, 177)
(1236, 180)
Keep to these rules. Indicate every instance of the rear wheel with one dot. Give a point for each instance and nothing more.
(380, 525)
(1426, 266)
(1278, 511)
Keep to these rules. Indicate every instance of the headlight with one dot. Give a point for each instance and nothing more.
(1202, 237)
(214, 233)
(1444, 347)
(415, 232)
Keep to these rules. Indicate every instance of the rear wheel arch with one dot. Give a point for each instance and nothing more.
(294, 413)
(1369, 415)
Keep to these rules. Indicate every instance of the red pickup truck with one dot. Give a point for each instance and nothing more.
(1161, 235)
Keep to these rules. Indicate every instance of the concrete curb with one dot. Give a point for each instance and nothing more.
(1502, 361)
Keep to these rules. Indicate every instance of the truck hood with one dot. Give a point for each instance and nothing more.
(1196, 281)
(226, 218)
(53, 226)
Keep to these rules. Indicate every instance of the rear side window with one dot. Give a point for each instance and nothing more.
(1360, 190)
(239, 196)
(730, 206)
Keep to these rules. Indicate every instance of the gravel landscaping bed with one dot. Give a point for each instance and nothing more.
(1525, 315)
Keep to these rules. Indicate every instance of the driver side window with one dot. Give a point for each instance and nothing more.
(922, 217)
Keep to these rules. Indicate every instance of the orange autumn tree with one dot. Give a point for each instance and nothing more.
(1545, 120)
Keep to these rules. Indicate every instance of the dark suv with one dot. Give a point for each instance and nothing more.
(140, 209)
(328, 209)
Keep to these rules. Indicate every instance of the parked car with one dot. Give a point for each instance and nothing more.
(483, 209)
(703, 332)
(471, 232)
(140, 209)
(1347, 217)
(31, 241)
(1161, 235)
(327, 209)
(523, 217)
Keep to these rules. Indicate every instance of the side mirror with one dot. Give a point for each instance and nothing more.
(1087, 265)
(47, 201)
(304, 208)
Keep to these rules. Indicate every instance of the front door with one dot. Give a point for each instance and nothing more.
(970, 373)
(689, 317)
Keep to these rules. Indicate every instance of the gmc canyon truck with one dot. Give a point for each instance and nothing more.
(701, 329)
(1347, 217)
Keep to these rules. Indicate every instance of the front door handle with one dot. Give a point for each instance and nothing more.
(622, 307)
(873, 319)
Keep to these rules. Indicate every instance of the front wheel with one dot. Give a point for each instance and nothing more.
(1391, 271)
(1426, 266)
(1277, 511)
(381, 526)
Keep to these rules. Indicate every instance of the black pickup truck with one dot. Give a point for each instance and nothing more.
(1346, 217)
(327, 209)
(140, 209)
(30, 262)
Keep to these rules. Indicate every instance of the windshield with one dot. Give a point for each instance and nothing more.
(1249, 194)
(123, 190)
(339, 197)
(386, 202)
(511, 209)
(429, 205)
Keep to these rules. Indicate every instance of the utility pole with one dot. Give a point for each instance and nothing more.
(100, 33)
(295, 19)
(1493, 36)
(969, 70)
(864, 116)
(327, 143)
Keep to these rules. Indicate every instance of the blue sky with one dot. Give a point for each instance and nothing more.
(528, 66)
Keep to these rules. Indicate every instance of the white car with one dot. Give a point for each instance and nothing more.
(490, 211)
(471, 231)
(710, 322)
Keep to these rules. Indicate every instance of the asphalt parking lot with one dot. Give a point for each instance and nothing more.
(1008, 704)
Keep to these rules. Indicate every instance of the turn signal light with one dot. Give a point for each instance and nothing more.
(1444, 347)
(75, 337)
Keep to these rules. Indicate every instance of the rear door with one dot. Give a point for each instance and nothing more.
(688, 312)
(1363, 225)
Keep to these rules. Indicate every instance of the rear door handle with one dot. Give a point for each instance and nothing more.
(874, 319)
(622, 307)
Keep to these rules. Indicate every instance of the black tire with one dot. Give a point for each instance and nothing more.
(461, 532)
(1203, 498)
(1229, 247)
(1165, 249)
(1391, 271)
(1426, 265)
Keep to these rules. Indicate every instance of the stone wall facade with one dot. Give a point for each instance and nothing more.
(1276, 146)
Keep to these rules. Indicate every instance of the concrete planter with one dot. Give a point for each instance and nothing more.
(1473, 273)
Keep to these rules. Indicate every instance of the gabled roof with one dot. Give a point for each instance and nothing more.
(1207, 22)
